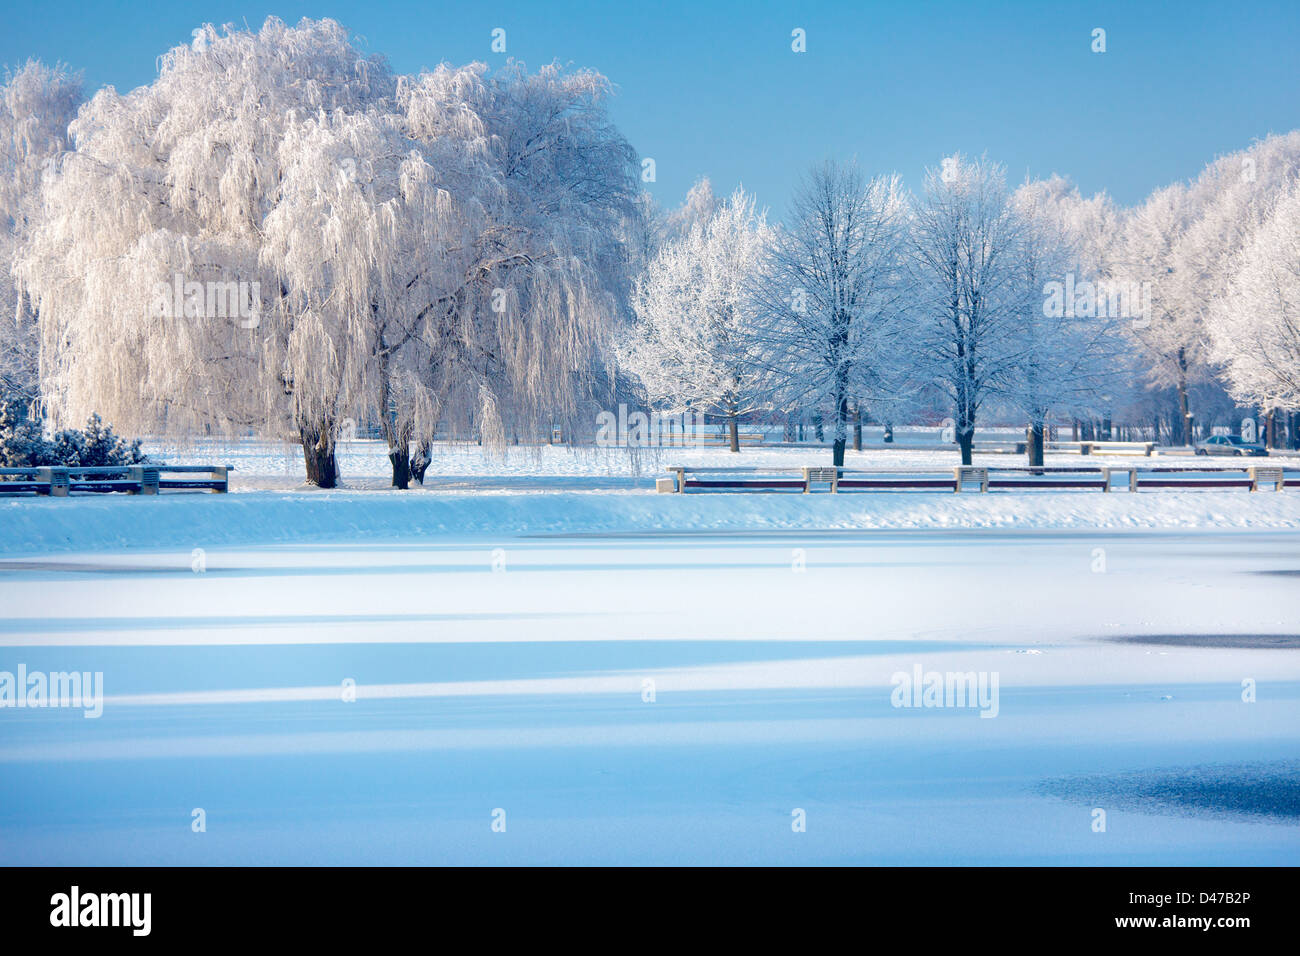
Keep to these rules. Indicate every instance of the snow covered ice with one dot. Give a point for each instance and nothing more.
(668, 692)
(432, 324)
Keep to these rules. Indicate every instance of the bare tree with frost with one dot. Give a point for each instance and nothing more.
(1231, 199)
(700, 204)
(1234, 197)
(1171, 339)
(695, 343)
(835, 292)
(1070, 342)
(965, 238)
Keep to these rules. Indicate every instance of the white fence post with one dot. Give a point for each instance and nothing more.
(56, 481)
(963, 473)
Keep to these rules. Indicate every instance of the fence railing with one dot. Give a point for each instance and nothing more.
(808, 479)
(993, 446)
(61, 481)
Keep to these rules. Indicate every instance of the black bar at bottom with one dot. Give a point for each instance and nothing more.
(335, 906)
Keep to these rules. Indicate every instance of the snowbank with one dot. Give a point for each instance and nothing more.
(36, 526)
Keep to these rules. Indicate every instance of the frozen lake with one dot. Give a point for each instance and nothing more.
(661, 698)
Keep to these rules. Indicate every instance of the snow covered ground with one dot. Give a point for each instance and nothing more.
(364, 464)
(640, 678)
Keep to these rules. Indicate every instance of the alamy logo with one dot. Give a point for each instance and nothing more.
(641, 430)
(75, 908)
(209, 300)
(55, 689)
(946, 689)
(1086, 299)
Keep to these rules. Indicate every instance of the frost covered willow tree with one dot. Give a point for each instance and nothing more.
(359, 241)
(834, 292)
(964, 241)
(37, 103)
(694, 345)
(170, 188)
(527, 342)
(1255, 328)
(415, 247)
(457, 261)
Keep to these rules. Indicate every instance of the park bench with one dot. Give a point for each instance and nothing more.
(1037, 478)
(1250, 477)
(1143, 448)
(969, 473)
(734, 479)
(1267, 474)
(895, 480)
(61, 481)
(820, 475)
(1048, 479)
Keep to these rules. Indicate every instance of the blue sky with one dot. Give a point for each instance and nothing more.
(714, 88)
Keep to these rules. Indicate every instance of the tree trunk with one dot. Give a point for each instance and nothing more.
(397, 436)
(965, 425)
(1035, 446)
(965, 441)
(420, 461)
(889, 433)
(401, 459)
(733, 429)
(399, 452)
(841, 431)
(857, 427)
(318, 453)
(1184, 406)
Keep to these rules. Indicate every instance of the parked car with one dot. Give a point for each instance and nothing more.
(1230, 445)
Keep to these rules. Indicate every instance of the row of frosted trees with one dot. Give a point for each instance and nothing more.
(280, 235)
(976, 300)
(870, 301)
